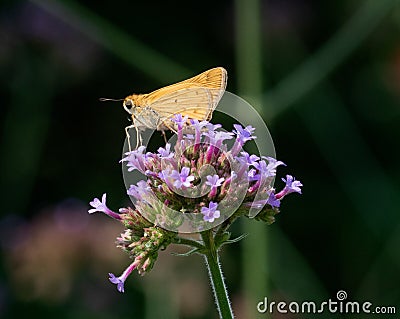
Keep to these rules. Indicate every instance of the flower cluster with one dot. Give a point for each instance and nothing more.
(141, 239)
(200, 183)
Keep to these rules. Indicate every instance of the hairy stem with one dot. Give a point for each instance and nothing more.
(216, 278)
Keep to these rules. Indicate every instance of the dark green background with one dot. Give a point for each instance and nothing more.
(326, 76)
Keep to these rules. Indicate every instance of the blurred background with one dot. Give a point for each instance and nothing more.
(324, 75)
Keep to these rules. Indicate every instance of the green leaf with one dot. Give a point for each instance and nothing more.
(231, 241)
(189, 253)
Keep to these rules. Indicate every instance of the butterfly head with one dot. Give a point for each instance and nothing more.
(129, 105)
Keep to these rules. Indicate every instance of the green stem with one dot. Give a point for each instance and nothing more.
(215, 272)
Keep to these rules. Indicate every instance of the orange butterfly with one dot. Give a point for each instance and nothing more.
(195, 98)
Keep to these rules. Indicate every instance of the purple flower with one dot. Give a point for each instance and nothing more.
(213, 127)
(217, 137)
(271, 200)
(120, 281)
(210, 213)
(292, 186)
(165, 152)
(261, 177)
(253, 176)
(244, 134)
(198, 126)
(166, 176)
(249, 159)
(100, 206)
(189, 136)
(136, 159)
(214, 180)
(182, 178)
(139, 191)
(268, 170)
(180, 121)
(273, 164)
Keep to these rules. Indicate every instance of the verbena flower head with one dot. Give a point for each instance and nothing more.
(201, 169)
(198, 184)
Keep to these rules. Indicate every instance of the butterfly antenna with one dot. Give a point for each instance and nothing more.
(103, 99)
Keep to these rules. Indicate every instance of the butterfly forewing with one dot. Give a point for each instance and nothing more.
(213, 80)
(193, 102)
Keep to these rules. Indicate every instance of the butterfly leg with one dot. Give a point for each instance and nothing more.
(165, 136)
(160, 127)
(128, 137)
(139, 141)
(167, 126)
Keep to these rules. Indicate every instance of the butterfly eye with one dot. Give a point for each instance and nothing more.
(128, 104)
